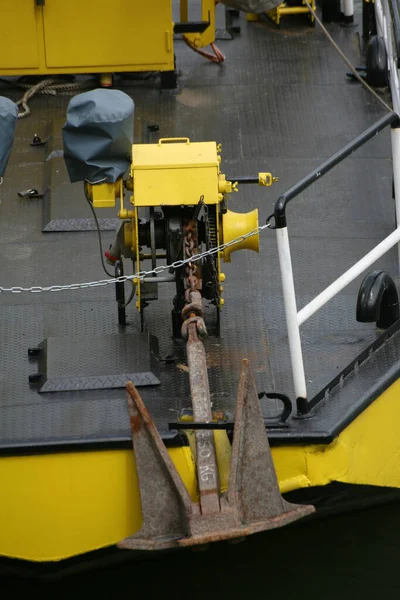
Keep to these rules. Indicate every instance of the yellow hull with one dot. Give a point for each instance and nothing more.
(56, 506)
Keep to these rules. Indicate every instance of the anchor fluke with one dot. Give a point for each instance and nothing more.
(253, 502)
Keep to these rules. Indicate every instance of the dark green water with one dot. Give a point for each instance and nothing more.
(347, 557)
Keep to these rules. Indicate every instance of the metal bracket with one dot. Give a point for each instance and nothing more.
(191, 27)
(37, 141)
(28, 194)
(252, 503)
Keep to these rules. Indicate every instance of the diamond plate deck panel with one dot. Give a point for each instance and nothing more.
(67, 364)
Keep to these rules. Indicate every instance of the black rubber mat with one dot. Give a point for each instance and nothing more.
(280, 102)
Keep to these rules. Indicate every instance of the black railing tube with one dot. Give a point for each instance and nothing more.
(244, 179)
(327, 165)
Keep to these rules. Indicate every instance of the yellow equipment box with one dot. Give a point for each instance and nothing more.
(54, 36)
(41, 37)
(170, 173)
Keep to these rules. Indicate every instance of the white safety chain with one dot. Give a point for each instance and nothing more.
(140, 275)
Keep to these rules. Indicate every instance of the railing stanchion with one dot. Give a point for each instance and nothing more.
(289, 297)
(348, 11)
(294, 319)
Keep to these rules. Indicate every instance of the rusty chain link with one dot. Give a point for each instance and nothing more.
(192, 312)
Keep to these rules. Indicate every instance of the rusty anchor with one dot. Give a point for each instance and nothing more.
(252, 504)
(253, 501)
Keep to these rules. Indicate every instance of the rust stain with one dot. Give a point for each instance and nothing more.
(208, 492)
(234, 356)
(218, 415)
(136, 423)
(265, 344)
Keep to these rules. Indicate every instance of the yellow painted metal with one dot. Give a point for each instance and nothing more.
(174, 153)
(107, 37)
(367, 452)
(120, 33)
(226, 187)
(130, 235)
(266, 179)
(184, 10)
(200, 40)
(250, 17)
(104, 195)
(61, 505)
(175, 172)
(284, 9)
(235, 225)
(19, 35)
(56, 506)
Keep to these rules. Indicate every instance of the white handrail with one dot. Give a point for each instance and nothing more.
(293, 318)
(347, 277)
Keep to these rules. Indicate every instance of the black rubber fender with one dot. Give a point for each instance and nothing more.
(377, 68)
(378, 300)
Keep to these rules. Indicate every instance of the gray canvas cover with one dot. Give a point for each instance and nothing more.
(98, 136)
(8, 120)
(252, 6)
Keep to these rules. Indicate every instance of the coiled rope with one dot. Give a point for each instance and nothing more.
(51, 87)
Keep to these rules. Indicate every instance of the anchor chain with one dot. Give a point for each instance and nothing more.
(253, 502)
(193, 331)
(192, 312)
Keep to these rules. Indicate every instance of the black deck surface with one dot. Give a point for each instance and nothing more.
(281, 102)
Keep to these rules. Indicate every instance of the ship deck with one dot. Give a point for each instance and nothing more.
(282, 103)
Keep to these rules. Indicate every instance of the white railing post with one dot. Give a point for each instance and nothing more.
(348, 11)
(395, 135)
(289, 297)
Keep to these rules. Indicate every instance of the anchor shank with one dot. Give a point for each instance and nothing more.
(207, 471)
